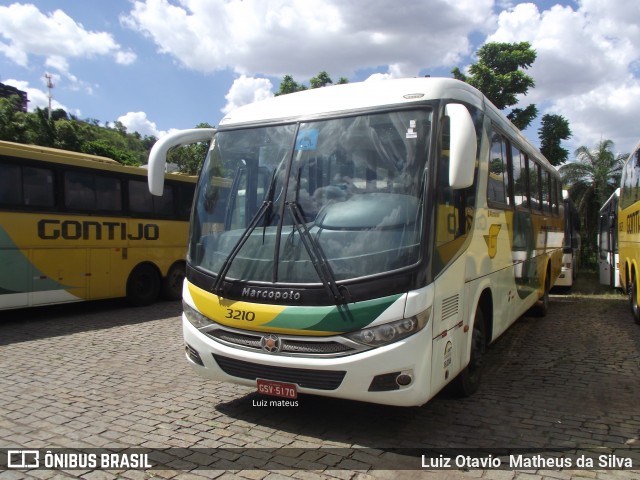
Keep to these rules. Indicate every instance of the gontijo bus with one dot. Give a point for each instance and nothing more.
(629, 230)
(81, 227)
(364, 241)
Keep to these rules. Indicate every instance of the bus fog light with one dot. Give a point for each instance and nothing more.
(404, 379)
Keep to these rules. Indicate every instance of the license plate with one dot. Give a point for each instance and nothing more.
(277, 389)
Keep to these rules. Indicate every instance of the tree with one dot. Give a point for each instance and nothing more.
(41, 128)
(189, 158)
(322, 79)
(592, 178)
(554, 129)
(13, 125)
(500, 77)
(289, 85)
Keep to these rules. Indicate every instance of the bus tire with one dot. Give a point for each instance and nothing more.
(172, 283)
(143, 285)
(633, 298)
(468, 381)
(541, 308)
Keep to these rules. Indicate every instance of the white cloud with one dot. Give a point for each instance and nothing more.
(138, 122)
(302, 37)
(247, 90)
(585, 65)
(25, 31)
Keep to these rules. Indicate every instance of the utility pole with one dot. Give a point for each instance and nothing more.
(50, 86)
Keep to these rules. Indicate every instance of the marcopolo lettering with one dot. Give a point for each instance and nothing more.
(50, 229)
(270, 294)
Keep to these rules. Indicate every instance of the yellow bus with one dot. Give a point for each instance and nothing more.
(80, 227)
(376, 238)
(629, 230)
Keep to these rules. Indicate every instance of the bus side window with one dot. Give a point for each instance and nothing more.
(79, 191)
(10, 185)
(498, 188)
(37, 184)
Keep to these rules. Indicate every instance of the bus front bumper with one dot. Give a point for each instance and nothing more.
(360, 376)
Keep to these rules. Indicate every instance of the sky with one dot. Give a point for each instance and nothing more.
(160, 65)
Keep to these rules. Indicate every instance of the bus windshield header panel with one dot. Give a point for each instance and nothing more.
(315, 202)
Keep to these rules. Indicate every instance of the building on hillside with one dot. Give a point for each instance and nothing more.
(7, 91)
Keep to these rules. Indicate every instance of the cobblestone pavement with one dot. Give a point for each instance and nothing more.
(103, 375)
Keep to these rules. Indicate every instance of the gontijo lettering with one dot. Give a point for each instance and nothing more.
(51, 229)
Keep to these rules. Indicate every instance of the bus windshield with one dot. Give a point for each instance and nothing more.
(313, 202)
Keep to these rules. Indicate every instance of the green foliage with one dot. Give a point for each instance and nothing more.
(105, 149)
(68, 133)
(13, 122)
(499, 75)
(289, 85)
(322, 79)
(553, 129)
(591, 179)
(189, 158)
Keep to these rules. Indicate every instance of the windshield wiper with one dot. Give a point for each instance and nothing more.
(265, 209)
(317, 255)
(217, 286)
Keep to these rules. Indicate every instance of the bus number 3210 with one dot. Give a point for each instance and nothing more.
(240, 315)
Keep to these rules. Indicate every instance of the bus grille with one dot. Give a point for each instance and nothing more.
(317, 379)
(289, 346)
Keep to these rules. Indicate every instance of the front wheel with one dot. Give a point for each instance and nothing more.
(468, 381)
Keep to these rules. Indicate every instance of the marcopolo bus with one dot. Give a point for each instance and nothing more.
(364, 241)
(80, 227)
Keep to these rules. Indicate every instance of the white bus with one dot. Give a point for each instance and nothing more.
(608, 261)
(375, 239)
(571, 245)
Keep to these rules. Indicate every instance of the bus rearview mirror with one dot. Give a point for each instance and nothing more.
(158, 155)
(462, 146)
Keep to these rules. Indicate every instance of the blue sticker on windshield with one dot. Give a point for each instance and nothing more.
(307, 139)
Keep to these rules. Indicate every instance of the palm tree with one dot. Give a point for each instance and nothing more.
(591, 179)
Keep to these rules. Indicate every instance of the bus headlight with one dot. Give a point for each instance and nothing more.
(197, 319)
(392, 331)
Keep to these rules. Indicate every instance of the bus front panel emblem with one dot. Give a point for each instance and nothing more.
(271, 343)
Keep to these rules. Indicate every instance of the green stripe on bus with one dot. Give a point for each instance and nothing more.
(343, 318)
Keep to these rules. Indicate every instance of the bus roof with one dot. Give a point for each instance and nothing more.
(353, 96)
(67, 157)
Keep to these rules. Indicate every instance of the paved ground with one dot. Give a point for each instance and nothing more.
(105, 376)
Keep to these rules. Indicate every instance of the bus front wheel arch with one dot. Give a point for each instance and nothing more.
(468, 380)
(143, 285)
